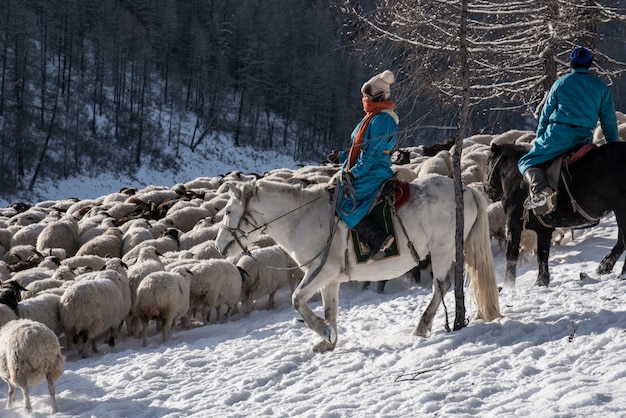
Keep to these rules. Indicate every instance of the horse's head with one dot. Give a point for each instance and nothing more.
(237, 225)
(503, 175)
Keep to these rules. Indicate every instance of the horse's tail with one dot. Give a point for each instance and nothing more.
(479, 263)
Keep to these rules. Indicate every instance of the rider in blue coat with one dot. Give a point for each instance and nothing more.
(574, 104)
(367, 165)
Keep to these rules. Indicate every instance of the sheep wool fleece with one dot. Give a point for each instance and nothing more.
(371, 169)
(569, 116)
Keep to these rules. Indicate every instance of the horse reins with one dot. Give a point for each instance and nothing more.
(325, 250)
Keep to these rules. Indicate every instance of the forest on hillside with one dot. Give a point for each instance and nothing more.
(88, 86)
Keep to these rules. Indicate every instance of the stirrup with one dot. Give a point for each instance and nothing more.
(537, 200)
(381, 251)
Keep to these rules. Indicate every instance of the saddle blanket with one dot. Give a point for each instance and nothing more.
(382, 214)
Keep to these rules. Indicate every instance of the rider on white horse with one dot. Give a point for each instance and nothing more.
(367, 165)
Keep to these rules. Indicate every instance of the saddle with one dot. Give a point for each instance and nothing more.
(554, 173)
(392, 194)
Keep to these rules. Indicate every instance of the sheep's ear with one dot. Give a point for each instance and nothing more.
(494, 147)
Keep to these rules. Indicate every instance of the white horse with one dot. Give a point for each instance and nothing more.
(301, 220)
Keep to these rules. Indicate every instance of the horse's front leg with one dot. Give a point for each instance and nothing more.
(330, 302)
(544, 240)
(513, 239)
(324, 327)
(440, 288)
(609, 260)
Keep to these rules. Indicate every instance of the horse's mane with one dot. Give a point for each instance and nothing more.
(299, 189)
(513, 151)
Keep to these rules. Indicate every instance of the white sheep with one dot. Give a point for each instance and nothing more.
(215, 283)
(108, 244)
(168, 241)
(497, 223)
(29, 353)
(93, 306)
(90, 262)
(265, 271)
(204, 230)
(43, 308)
(441, 164)
(60, 234)
(90, 230)
(185, 218)
(6, 314)
(27, 235)
(148, 261)
(164, 296)
(134, 236)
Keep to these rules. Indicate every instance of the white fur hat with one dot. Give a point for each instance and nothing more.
(377, 87)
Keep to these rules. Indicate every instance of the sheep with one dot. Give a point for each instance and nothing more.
(6, 314)
(148, 261)
(204, 230)
(36, 287)
(43, 308)
(215, 283)
(441, 164)
(10, 294)
(133, 237)
(497, 223)
(205, 251)
(26, 277)
(21, 253)
(210, 183)
(29, 353)
(163, 296)
(184, 219)
(266, 270)
(92, 306)
(31, 216)
(90, 261)
(27, 235)
(509, 137)
(108, 244)
(89, 230)
(167, 242)
(61, 234)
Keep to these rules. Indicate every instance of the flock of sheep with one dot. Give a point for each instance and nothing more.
(85, 272)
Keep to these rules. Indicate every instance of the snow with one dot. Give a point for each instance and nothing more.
(556, 353)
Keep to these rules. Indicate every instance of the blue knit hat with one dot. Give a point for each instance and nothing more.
(581, 55)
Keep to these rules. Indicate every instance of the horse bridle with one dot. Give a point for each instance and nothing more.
(492, 169)
(250, 219)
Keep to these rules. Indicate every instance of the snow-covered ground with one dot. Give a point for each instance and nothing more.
(557, 352)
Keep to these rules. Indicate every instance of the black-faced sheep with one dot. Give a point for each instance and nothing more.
(29, 353)
(10, 294)
(163, 296)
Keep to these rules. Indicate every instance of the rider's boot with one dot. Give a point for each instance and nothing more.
(538, 186)
(377, 239)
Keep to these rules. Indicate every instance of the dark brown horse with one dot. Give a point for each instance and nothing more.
(596, 184)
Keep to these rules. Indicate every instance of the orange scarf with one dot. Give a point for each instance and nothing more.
(371, 109)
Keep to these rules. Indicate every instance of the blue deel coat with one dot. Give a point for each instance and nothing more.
(575, 103)
(371, 169)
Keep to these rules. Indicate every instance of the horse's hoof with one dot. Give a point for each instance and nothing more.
(329, 334)
(323, 346)
(421, 332)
